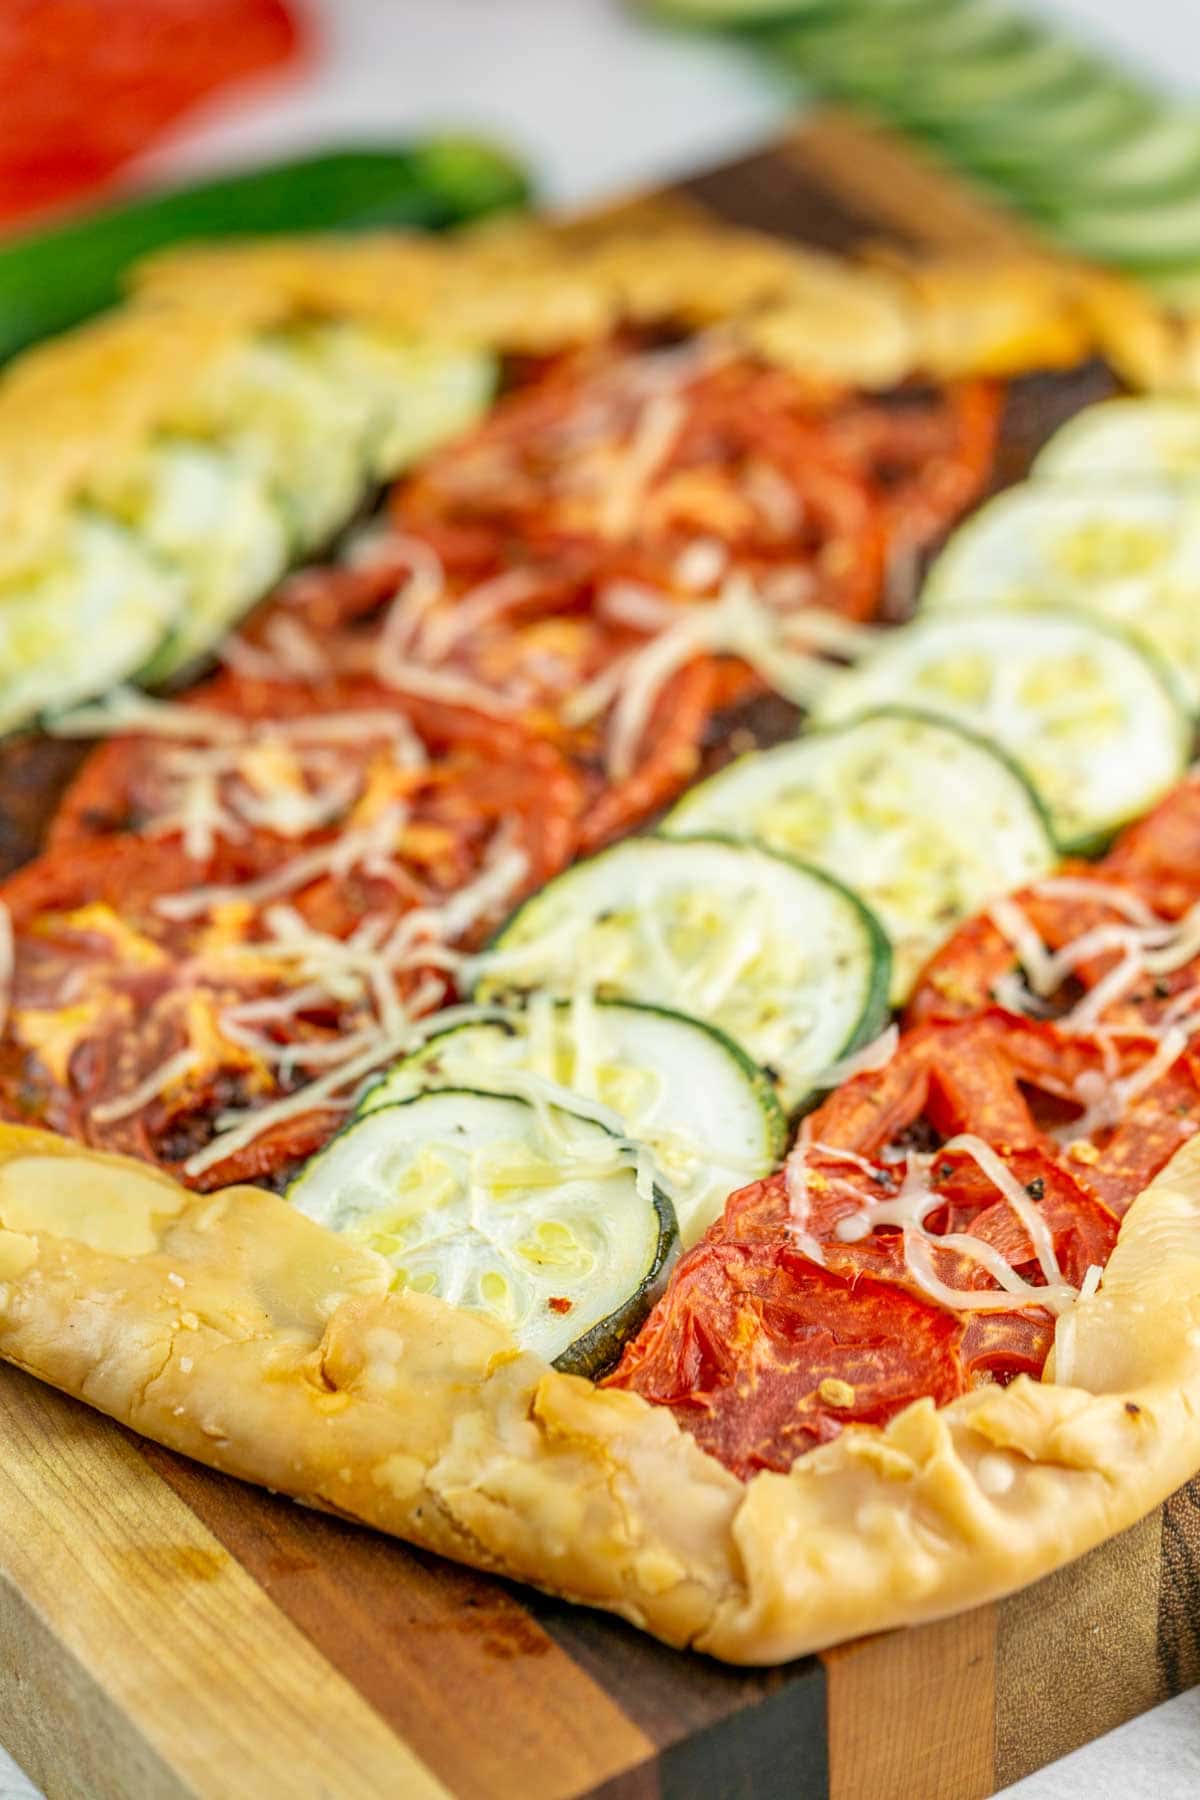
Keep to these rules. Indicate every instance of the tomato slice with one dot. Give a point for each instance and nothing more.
(114, 981)
(763, 1352)
(87, 86)
(748, 1337)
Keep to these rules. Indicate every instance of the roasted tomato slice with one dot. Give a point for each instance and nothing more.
(250, 933)
(806, 1306)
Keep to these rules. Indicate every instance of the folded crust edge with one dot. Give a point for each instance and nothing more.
(232, 1329)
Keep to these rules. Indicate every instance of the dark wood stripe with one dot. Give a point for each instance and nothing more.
(1077, 1653)
(911, 199)
(777, 1750)
(1179, 1591)
(774, 1751)
(770, 192)
(668, 1694)
(451, 1659)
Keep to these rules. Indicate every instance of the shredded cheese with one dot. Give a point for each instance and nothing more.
(175, 1069)
(336, 1091)
(1026, 1210)
(795, 1174)
(7, 964)
(868, 1061)
(784, 648)
(658, 426)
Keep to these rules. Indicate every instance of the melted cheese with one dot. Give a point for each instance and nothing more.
(55, 1033)
(784, 648)
(111, 1208)
(172, 1072)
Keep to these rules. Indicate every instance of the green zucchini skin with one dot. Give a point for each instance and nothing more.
(809, 759)
(671, 1044)
(598, 1350)
(875, 1009)
(599, 1347)
(53, 279)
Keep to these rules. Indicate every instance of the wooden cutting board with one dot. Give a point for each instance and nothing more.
(165, 1631)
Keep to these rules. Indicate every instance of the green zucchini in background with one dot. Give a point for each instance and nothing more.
(53, 279)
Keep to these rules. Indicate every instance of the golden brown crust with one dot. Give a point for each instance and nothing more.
(77, 409)
(231, 1328)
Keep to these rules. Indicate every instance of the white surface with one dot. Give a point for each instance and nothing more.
(599, 104)
(1156, 1757)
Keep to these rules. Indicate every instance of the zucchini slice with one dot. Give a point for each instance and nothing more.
(1156, 438)
(211, 517)
(285, 417)
(925, 820)
(707, 1115)
(533, 1215)
(1127, 550)
(781, 957)
(1095, 723)
(92, 609)
(223, 515)
(322, 412)
(416, 397)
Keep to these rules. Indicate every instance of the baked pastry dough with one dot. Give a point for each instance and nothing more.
(75, 411)
(231, 1328)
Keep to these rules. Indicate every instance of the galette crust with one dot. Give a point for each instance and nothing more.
(74, 411)
(231, 1328)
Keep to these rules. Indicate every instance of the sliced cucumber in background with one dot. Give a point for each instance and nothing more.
(1055, 141)
(1094, 722)
(734, 15)
(706, 1113)
(1147, 237)
(883, 60)
(1152, 439)
(925, 820)
(993, 90)
(93, 608)
(1061, 130)
(1127, 550)
(782, 958)
(1156, 156)
(536, 1217)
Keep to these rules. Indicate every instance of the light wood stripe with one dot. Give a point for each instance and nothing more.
(180, 1677)
(912, 1713)
(451, 1659)
(903, 188)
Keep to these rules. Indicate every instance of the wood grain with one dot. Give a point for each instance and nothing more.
(1077, 1655)
(413, 1635)
(913, 1712)
(174, 1672)
(902, 190)
(168, 1632)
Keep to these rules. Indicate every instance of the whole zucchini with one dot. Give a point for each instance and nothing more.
(52, 279)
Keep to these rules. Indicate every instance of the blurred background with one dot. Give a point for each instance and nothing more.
(598, 95)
